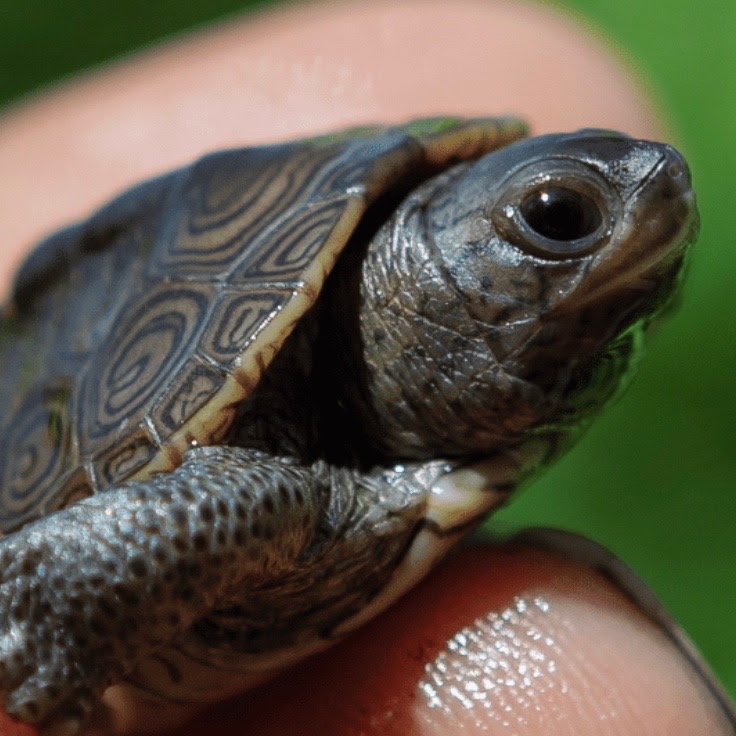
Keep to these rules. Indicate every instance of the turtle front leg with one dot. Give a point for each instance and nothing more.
(88, 592)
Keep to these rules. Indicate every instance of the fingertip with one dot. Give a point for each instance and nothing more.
(508, 639)
(569, 645)
(299, 70)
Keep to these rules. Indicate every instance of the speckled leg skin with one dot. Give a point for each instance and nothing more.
(89, 591)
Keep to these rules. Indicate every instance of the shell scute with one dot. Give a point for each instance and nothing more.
(136, 361)
(192, 387)
(237, 319)
(39, 448)
(123, 458)
(284, 253)
(224, 202)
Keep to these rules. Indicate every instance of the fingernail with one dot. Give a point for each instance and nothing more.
(585, 551)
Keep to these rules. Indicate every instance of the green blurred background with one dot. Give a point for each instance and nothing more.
(655, 479)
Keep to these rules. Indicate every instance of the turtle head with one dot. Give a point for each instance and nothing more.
(527, 280)
(563, 243)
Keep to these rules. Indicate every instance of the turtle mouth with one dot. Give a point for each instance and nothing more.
(652, 287)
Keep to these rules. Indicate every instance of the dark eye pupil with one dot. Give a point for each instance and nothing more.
(561, 214)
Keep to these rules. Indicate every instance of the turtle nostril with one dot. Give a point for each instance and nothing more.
(671, 178)
(677, 169)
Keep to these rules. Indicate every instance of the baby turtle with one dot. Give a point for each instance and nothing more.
(249, 403)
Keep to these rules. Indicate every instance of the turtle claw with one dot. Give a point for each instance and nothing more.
(58, 710)
(45, 700)
(42, 690)
(43, 679)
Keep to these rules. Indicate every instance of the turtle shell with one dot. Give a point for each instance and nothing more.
(132, 336)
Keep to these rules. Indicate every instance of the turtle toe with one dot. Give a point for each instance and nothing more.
(46, 699)
(36, 686)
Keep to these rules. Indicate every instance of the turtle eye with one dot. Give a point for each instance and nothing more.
(560, 214)
(556, 209)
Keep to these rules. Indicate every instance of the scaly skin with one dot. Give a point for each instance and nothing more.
(89, 592)
(84, 606)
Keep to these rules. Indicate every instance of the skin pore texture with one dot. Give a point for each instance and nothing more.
(507, 639)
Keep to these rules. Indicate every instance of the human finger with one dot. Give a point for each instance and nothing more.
(303, 69)
(545, 633)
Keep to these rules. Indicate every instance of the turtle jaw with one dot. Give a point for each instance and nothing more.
(661, 278)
